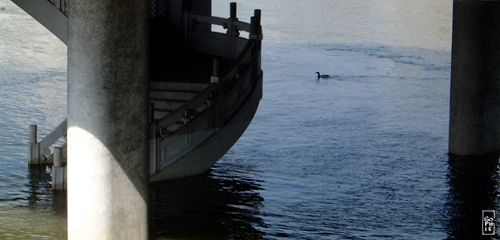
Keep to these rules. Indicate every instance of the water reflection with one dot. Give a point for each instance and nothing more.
(209, 206)
(41, 195)
(38, 185)
(474, 187)
(36, 212)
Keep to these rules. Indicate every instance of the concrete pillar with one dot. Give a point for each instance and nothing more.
(107, 120)
(475, 78)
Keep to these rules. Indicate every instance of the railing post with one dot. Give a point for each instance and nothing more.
(219, 102)
(154, 144)
(187, 28)
(34, 147)
(151, 112)
(58, 170)
(64, 8)
(233, 11)
(33, 134)
(215, 71)
(57, 157)
(57, 3)
(256, 35)
(232, 31)
(256, 28)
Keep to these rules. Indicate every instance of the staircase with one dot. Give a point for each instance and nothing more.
(192, 124)
(166, 97)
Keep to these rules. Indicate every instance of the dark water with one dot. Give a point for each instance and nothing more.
(362, 155)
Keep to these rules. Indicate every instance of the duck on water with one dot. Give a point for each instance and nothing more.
(322, 76)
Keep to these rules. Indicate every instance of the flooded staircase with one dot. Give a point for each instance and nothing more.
(193, 122)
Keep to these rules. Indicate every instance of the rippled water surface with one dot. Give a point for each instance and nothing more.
(362, 155)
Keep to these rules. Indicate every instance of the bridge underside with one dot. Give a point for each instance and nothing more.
(153, 94)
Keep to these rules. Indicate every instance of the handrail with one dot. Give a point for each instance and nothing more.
(209, 19)
(226, 45)
(178, 114)
(243, 26)
(52, 137)
(224, 22)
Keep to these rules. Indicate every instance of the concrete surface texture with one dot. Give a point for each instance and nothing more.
(107, 120)
(475, 84)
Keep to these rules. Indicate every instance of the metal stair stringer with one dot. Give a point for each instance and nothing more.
(51, 14)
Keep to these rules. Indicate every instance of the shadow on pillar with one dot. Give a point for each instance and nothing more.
(474, 185)
(206, 207)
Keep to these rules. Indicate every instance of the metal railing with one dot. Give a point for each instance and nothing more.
(224, 95)
(226, 45)
(62, 5)
(40, 151)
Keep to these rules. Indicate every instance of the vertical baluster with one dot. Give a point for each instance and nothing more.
(256, 36)
(219, 102)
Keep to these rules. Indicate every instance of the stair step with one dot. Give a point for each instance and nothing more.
(167, 100)
(170, 95)
(201, 108)
(167, 97)
(177, 86)
(174, 90)
(170, 106)
(174, 127)
(160, 114)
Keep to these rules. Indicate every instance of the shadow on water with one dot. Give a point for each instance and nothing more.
(206, 207)
(473, 187)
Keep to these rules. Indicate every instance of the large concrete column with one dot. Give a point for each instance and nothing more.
(475, 78)
(107, 120)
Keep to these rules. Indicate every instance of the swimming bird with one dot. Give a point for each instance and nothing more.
(324, 76)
